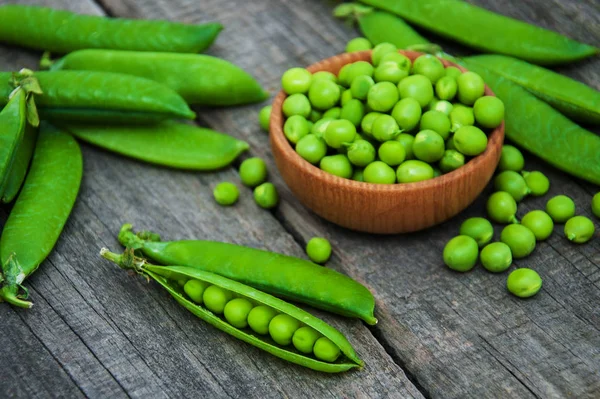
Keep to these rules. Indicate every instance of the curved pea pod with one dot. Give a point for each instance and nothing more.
(40, 211)
(63, 31)
(167, 275)
(484, 30)
(199, 79)
(12, 128)
(537, 127)
(169, 143)
(103, 97)
(574, 99)
(281, 275)
(21, 161)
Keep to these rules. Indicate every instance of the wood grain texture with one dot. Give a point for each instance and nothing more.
(98, 332)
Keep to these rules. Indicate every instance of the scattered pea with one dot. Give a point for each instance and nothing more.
(537, 182)
(511, 159)
(226, 193)
(253, 171)
(512, 183)
(540, 224)
(480, 229)
(502, 207)
(266, 196)
(264, 117)
(460, 253)
(560, 208)
(519, 238)
(524, 282)
(318, 250)
(579, 229)
(496, 257)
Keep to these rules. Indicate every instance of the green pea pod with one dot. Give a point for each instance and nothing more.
(63, 31)
(484, 30)
(23, 155)
(199, 79)
(542, 130)
(283, 276)
(12, 127)
(40, 212)
(102, 96)
(167, 275)
(169, 143)
(574, 99)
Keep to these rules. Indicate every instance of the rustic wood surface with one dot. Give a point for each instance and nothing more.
(96, 331)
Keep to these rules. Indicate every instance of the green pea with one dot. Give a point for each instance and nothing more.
(332, 113)
(414, 171)
(304, 339)
(326, 350)
(560, 208)
(524, 282)
(430, 66)
(579, 229)
(428, 146)
(295, 127)
(407, 113)
(403, 61)
(489, 111)
(502, 207)
(380, 50)
(446, 88)
(353, 111)
(460, 253)
(436, 171)
(360, 86)
(407, 141)
(318, 250)
(337, 165)
(461, 116)
(195, 289)
(367, 122)
(512, 183)
(339, 132)
(519, 238)
(418, 87)
(389, 71)
(359, 68)
(540, 224)
(358, 175)
(264, 117)
(436, 121)
(496, 257)
(392, 153)
(511, 159)
(282, 328)
(470, 140)
(537, 182)
(253, 171)
(596, 205)
(480, 229)
(379, 173)
(323, 94)
(311, 148)
(236, 312)
(453, 72)
(215, 298)
(361, 153)
(296, 104)
(450, 143)
(325, 75)
(266, 196)
(358, 44)
(226, 193)
(382, 96)
(451, 160)
(470, 87)
(345, 97)
(260, 317)
(343, 74)
(320, 127)
(444, 107)
(296, 80)
(385, 128)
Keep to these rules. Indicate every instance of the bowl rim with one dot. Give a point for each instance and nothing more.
(495, 138)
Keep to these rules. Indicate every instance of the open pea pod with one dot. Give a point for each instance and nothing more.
(167, 277)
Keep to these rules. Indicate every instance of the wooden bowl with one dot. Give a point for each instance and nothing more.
(380, 208)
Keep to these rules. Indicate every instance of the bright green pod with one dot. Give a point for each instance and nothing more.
(574, 99)
(170, 143)
(383, 27)
(102, 97)
(62, 31)
(495, 33)
(199, 79)
(40, 212)
(167, 276)
(12, 128)
(21, 161)
(281, 275)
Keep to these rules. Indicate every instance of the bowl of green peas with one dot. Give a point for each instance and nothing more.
(386, 141)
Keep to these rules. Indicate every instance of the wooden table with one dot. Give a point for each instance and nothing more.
(97, 331)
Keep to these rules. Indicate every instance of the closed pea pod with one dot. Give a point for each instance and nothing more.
(63, 31)
(169, 143)
(280, 275)
(166, 275)
(199, 79)
(12, 124)
(21, 161)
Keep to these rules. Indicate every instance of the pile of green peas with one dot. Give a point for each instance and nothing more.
(389, 120)
(242, 313)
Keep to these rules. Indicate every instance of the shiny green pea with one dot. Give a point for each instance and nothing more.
(524, 282)
(444, 107)
(332, 113)
(195, 290)
(470, 140)
(511, 159)
(382, 96)
(296, 104)
(337, 165)
(512, 183)
(453, 72)
(215, 298)
(339, 132)
(460, 253)
(379, 173)
(407, 113)
(436, 121)
(353, 111)
(266, 196)
(326, 350)
(320, 127)
(226, 193)
(502, 207)
(312, 148)
(519, 238)
(264, 117)
(389, 71)
(489, 111)
(323, 94)
(446, 88)
(537, 182)
(403, 61)
(496, 257)
(480, 229)
(260, 317)
(430, 66)
(236, 312)
(451, 160)
(360, 86)
(560, 208)
(407, 141)
(325, 75)
(461, 116)
(579, 229)
(380, 50)
(367, 122)
(418, 87)
(414, 171)
(361, 153)
(304, 339)
(282, 328)
(540, 224)
(295, 127)
(392, 153)
(318, 249)
(253, 171)
(428, 146)
(470, 87)
(385, 128)
(296, 80)
(358, 44)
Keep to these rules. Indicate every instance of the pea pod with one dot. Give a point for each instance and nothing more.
(40, 212)
(199, 79)
(542, 130)
(574, 99)
(22, 157)
(283, 276)
(102, 97)
(63, 31)
(167, 276)
(484, 30)
(12, 128)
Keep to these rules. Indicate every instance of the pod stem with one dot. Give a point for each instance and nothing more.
(46, 61)
(351, 12)
(11, 290)
(129, 239)
(126, 261)
(25, 80)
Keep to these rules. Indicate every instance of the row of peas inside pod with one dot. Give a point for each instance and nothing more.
(518, 238)
(389, 120)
